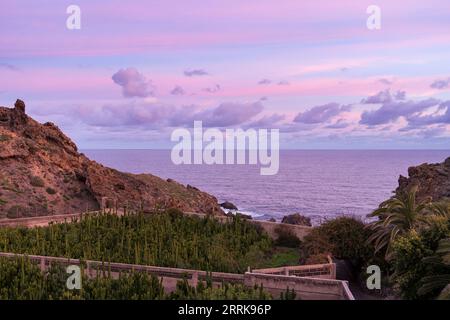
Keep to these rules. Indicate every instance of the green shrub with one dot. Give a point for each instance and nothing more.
(226, 291)
(344, 238)
(409, 252)
(4, 137)
(286, 238)
(15, 211)
(50, 190)
(36, 181)
(166, 240)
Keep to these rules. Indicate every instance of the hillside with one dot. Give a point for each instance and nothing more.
(42, 173)
(432, 180)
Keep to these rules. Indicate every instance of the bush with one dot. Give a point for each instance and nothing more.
(317, 259)
(344, 238)
(286, 238)
(4, 137)
(15, 212)
(36, 181)
(50, 190)
(315, 243)
(409, 252)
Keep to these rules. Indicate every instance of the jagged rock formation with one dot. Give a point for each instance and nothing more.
(42, 173)
(297, 219)
(228, 205)
(432, 180)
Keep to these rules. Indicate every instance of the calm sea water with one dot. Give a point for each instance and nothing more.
(320, 184)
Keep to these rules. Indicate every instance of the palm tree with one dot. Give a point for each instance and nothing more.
(440, 259)
(441, 208)
(396, 216)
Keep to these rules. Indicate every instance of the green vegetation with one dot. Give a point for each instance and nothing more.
(36, 181)
(15, 211)
(286, 238)
(4, 137)
(170, 239)
(20, 279)
(396, 216)
(343, 238)
(281, 256)
(419, 263)
(226, 291)
(8, 186)
(409, 240)
(50, 190)
(441, 259)
(412, 237)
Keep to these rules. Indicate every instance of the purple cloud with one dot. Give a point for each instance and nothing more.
(267, 122)
(229, 114)
(133, 83)
(441, 116)
(152, 116)
(195, 72)
(177, 91)
(213, 89)
(283, 83)
(385, 81)
(432, 132)
(8, 66)
(391, 111)
(384, 96)
(440, 84)
(340, 124)
(264, 82)
(320, 114)
(400, 95)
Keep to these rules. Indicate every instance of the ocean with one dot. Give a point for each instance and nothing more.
(321, 184)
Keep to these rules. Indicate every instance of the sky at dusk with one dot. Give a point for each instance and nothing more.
(137, 70)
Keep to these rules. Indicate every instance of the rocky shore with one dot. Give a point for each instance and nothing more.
(432, 181)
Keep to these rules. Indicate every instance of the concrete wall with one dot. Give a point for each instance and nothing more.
(305, 288)
(323, 271)
(268, 226)
(299, 231)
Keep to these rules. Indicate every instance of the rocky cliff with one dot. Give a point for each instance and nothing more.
(432, 180)
(42, 173)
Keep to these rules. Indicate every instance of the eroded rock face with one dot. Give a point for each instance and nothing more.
(432, 180)
(42, 173)
(228, 205)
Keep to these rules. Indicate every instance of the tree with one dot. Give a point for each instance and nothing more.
(396, 216)
(440, 259)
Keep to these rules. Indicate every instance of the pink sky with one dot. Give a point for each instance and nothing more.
(292, 57)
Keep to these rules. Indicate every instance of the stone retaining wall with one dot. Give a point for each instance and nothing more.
(305, 287)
